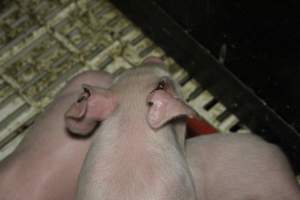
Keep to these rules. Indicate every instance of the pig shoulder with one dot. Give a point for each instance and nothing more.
(232, 166)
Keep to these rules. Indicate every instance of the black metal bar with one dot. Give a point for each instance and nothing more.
(198, 61)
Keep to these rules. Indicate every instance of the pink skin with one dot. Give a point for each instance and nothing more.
(153, 61)
(137, 151)
(240, 167)
(46, 165)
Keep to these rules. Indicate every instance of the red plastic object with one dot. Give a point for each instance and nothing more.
(197, 126)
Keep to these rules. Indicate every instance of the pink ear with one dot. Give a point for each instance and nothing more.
(165, 107)
(92, 107)
(153, 60)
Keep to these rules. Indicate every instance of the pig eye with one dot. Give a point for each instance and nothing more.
(86, 94)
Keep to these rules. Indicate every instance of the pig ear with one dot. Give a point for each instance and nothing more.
(93, 106)
(165, 107)
(153, 60)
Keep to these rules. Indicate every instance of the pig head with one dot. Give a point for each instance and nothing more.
(137, 151)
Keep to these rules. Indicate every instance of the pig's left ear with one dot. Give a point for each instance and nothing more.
(93, 106)
(164, 107)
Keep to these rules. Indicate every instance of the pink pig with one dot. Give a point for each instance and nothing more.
(240, 167)
(137, 153)
(46, 165)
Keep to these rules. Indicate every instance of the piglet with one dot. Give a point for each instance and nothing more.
(137, 153)
(240, 167)
(46, 165)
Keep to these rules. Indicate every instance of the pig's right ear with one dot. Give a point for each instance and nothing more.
(93, 106)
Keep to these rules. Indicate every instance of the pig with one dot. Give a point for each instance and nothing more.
(240, 167)
(46, 165)
(138, 151)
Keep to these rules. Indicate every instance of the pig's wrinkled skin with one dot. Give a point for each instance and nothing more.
(46, 165)
(240, 167)
(133, 156)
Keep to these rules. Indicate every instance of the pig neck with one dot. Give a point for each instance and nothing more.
(131, 130)
(126, 150)
(130, 134)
